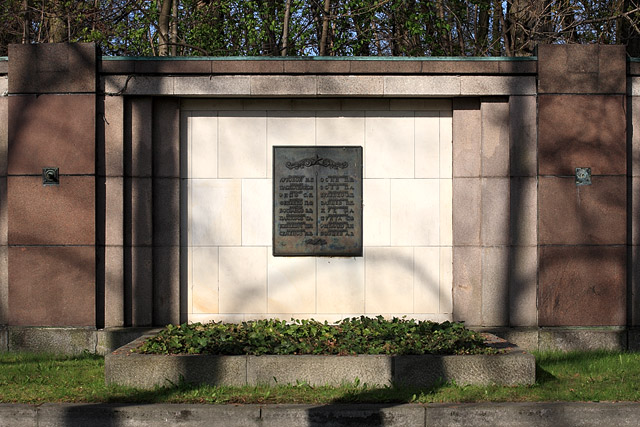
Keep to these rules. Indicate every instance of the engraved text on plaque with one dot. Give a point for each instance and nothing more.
(317, 201)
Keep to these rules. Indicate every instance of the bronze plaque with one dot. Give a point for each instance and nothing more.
(317, 201)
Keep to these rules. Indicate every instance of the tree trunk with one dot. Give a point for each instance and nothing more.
(174, 29)
(163, 27)
(26, 23)
(285, 28)
(482, 40)
(325, 28)
(496, 31)
(57, 26)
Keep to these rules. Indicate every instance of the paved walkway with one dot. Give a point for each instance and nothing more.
(469, 414)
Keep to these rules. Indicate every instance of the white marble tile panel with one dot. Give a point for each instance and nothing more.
(446, 212)
(257, 199)
(340, 285)
(389, 280)
(427, 140)
(446, 280)
(426, 279)
(289, 128)
(389, 144)
(203, 144)
(376, 212)
(215, 212)
(242, 144)
(243, 280)
(415, 212)
(446, 144)
(209, 317)
(340, 128)
(292, 285)
(204, 285)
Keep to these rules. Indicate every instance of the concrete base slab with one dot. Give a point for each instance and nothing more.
(346, 415)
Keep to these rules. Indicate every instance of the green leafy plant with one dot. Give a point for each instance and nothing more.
(356, 335)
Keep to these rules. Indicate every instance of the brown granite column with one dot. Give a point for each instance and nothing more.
(51, 229)
(582, 228)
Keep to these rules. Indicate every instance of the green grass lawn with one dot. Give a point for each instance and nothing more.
(581, 376)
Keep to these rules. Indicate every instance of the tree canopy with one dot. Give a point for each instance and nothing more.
(321, 27)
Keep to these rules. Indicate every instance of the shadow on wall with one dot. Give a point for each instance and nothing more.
(52, 248)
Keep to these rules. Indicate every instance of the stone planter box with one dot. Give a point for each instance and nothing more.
(147, 371)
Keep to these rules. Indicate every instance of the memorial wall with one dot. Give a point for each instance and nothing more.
(496, 191)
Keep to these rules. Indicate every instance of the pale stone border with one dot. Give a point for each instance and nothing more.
(321, 86)
(122, 367)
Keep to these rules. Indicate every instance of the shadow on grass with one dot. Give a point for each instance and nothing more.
(26, 358)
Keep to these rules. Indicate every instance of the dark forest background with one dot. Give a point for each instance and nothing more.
(320, 27)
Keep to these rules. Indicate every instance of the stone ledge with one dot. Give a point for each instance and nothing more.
(71, 340)
(389, 414)
(310, 85)
(147, 371)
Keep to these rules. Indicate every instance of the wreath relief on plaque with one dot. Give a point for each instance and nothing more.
(317, 201)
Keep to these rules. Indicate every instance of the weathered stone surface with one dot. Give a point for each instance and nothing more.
(523, 270)
(613, 339)
(519, 414)
(495, 211)
(586, 214)
(467, 141)
(166, 285)
(114, 294)
(4, 292)
(51, 215)
(523, 210)
(52, 340)
(139, 85)
(467, 211)
(146, 371)
(52, 131)
(283, 85)
(574, 68)
(192, 66)
(166, 138)
(582, 286)
(215, 85)
(495, 139)
(386, 67)
(247, 66)
(523, 136)
(421, 85)
(350, 85)
(495, 286)
(52, 286)
(138, 211)
(634, 113)
(497, 85)
(467, 285)
(4, 131)
(138, 137)
(317, 67)
(582, 131)
(510, 368)
(113, 137)
(460, 67)
(342, 415)
(52, 68)
(138, 285)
